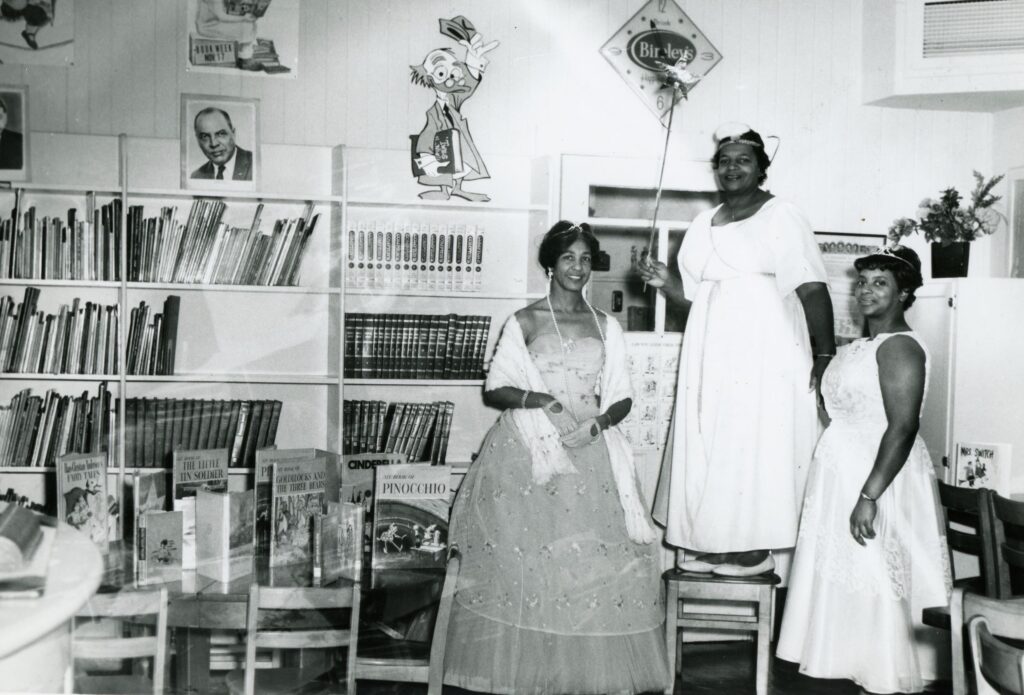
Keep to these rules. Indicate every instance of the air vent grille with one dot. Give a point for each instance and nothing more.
(973, 27)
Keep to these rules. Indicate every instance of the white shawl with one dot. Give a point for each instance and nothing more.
(513, 366)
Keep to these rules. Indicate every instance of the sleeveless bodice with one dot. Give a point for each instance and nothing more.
(573, 376)
(850, 386)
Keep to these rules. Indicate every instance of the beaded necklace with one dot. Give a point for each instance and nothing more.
(564, 346)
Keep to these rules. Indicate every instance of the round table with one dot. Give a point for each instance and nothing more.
(35, 639)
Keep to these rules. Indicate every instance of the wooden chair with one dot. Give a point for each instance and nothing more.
(757, 591)
(288, 605)
(970, 508)
(995, 661)
(149, 607)
(417, 666)
(1008, 523)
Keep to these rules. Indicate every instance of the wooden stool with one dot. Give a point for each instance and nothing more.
(691, 586)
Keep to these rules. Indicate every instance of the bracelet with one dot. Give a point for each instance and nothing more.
(522, 401)
(825, 354)
(865, 496)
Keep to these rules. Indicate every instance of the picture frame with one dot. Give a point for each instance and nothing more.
(14, 133)
(839, 251)
(220, 143)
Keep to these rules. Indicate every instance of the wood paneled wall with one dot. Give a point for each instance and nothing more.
(791, 68)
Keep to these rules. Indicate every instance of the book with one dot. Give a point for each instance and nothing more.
(410, 517)
(193, 470)
(256, 8)
(448, 151)
(983, 465)
(263, 487)
(225, 534)
(338, 543)
(297, 495)
(149, 494)
(161, 546)
(20, 535)
(82, 495)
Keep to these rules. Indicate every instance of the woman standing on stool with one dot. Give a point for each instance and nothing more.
(872, 553)
(559, 588)
(746, 420)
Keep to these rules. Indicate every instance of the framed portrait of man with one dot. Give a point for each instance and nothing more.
(220, 146)
(13, 133)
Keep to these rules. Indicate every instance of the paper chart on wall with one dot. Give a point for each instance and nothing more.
(653, 370)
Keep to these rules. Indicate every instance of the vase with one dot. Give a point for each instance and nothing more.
(950, 260)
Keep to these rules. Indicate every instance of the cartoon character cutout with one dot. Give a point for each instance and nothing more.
(444, 155)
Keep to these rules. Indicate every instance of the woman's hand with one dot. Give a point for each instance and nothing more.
(654, 273)
(558, 415)
(586, 432)
(862, 520)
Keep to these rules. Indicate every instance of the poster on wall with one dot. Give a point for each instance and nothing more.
(658, 36)
(220, 146)
(13, 133)
(243, 37)
(444, 156)
(37, 32)
(839, 251)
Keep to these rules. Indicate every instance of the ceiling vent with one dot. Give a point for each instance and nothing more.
(972, 28)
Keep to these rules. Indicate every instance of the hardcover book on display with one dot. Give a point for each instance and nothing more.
(194, 470)
(149, 494)
(160, 544)
(297, 496)
(338, 543)
(410, 517)
(983, 465)
(263, 476)
(357, 480)
(224, 534)
(82, 495)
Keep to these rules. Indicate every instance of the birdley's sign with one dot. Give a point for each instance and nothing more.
(657, 37)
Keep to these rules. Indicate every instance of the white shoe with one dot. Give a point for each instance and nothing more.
(730, 570)
(696, 566)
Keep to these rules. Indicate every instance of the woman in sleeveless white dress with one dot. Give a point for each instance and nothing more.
(860, 578)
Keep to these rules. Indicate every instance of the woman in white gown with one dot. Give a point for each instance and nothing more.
(871, 551)
(746, 420)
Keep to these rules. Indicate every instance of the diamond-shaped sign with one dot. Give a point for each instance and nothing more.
(660, 32)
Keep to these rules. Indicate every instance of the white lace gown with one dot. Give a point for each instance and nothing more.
(851, 611)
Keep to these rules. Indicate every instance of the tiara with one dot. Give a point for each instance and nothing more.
(889, 252)
(737, 140)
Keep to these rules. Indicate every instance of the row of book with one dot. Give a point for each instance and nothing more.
(418, 431)
(82, 338)
(415, 256)
(206, 250)
(153, 338)
(86, 247)
(155, 428)
(415, 346)
(35, 430)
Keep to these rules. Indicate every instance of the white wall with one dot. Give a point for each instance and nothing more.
(791, 68)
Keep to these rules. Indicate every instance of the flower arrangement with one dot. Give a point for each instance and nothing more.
(945, 221)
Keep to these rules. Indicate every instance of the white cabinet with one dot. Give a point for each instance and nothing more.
(974, 334)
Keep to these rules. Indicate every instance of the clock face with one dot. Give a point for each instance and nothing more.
(658, 34)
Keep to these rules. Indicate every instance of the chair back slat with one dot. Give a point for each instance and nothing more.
(306, 598)
(1008, 523)
(115, 647)
(302, 639)
(996, 661)
(972, 508)
(964, 542)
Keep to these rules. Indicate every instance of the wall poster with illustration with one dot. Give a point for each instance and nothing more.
(840, 251)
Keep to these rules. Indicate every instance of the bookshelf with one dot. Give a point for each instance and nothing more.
(238, 342)
(380, 195)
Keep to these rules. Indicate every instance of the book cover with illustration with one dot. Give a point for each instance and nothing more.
(224, 534)
(192, 470)
(357, 479)
(983, 465)
(82, 495)
(296, 497)
(338, 543)
(263, 476)
(160, 546)
(410, 516)
(149, 494)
